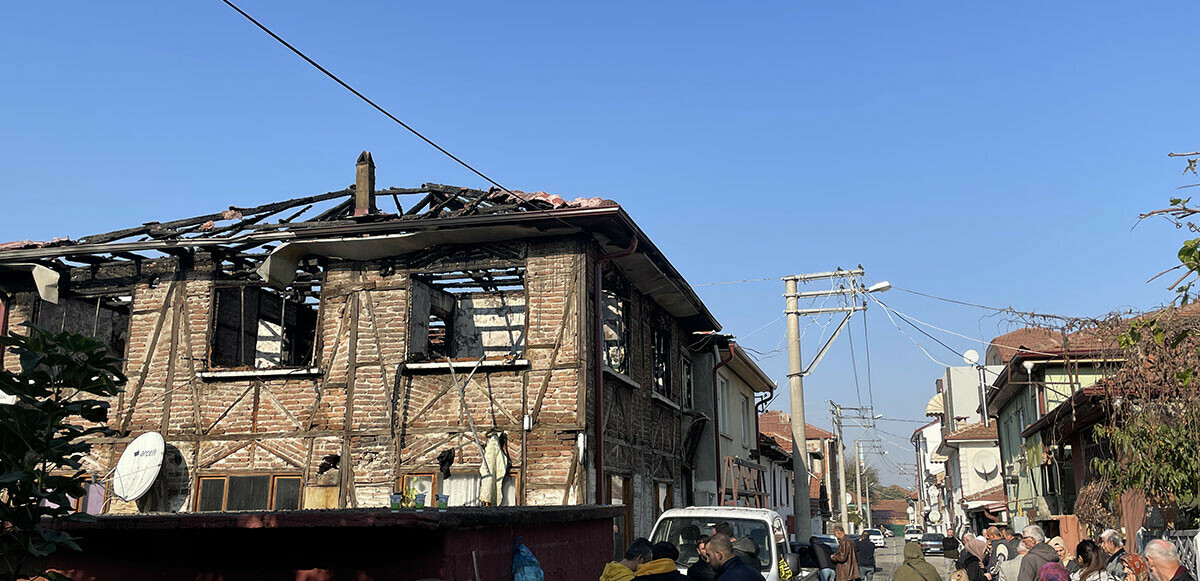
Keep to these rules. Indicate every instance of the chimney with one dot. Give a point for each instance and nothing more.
(364, 185)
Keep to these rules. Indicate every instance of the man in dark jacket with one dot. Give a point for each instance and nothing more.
(701, 570)
(864, 550)
(727, 565)
(1039, 553)
(662, 567)
(1163, 559)
(821, 554)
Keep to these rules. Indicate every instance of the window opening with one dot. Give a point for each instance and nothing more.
(616, 331)
(258, 326)
(620, 493)
(104, 317)
(689, 387)
(664, 494)
(746, 422)
(239, 492)
(661, 362)
(467, 314)
(723, 405)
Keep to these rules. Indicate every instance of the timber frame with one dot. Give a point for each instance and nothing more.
(367, 410)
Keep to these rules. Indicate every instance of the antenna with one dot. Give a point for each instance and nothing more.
(971, 357)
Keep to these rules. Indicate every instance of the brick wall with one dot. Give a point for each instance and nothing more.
(384, 420)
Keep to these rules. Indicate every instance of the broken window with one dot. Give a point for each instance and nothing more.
(258, 326)
(616, 332)
(249, 492)
(467, 314)
(660, 355)
(103, 317)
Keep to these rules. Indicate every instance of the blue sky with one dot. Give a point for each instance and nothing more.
(997, 153)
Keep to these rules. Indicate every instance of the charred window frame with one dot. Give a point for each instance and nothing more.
(615, 298)
(660, 360)
(237, 492)
(261, 327)
(258, 326)
(467, 314)
(101, 316)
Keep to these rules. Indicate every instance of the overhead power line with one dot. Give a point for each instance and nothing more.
(347, 86)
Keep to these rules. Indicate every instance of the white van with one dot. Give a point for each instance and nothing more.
(682, 526)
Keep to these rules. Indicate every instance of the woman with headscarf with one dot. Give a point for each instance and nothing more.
(1064, 556)
(971, 559)
(1135, 567)
(915, 567)
(1093, 562)
(1053, 571)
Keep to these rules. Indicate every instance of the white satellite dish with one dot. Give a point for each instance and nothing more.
(971, 357)
(985, 464)
(911, 511)
(934, 516)
(138, 467)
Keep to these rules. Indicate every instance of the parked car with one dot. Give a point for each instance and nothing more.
(912, 534)
(829, 541)
(931, 543)
(681, 527)
(876, 537)
(888, 532)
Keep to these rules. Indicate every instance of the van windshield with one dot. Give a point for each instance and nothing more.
(683, 532)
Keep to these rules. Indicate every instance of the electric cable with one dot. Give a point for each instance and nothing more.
(377, 107)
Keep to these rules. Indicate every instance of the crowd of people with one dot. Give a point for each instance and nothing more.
(721, 556)
(999, 556)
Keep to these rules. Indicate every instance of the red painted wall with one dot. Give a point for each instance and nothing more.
(566, 550)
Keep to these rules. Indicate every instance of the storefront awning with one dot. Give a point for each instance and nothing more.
(935, 407)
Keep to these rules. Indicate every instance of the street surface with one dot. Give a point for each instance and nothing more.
(892, 556)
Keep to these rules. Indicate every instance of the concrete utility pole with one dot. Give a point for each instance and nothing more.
(837, 424)
(867, 503)
(800, 505)
(797, 371)
(858, 469)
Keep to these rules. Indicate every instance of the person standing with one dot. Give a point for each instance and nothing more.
(662, 567)
(1039, 554)
(639, 552)
(864, 551)
(845, 559)
(972, 560)
(701, 570)
(1066, 558)
(1163, 559)
(1009, 569)
(915, 567)
(1093, 563)
(1114, 545)
(821, 555)
(726, 565)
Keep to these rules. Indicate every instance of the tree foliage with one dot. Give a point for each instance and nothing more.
(44, 438)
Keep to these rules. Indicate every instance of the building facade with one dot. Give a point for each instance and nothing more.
(498, 348)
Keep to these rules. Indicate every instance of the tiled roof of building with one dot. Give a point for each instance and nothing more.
(777, 425)
(889, 511)
(1008, 344)
(993, 494)
(976, 431)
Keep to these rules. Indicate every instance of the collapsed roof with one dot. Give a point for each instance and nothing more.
(348, 224)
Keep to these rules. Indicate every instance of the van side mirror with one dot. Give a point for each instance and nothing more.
(793, 562)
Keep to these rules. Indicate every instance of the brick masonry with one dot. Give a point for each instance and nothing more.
(383, 420)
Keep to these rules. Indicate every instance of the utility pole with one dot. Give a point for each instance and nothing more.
(828, 478)
(867, 503)
(858, 477)
(797, 371)
(800, 505)
(837, 424)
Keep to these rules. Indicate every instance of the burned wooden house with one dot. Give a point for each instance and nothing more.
(325, 352)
